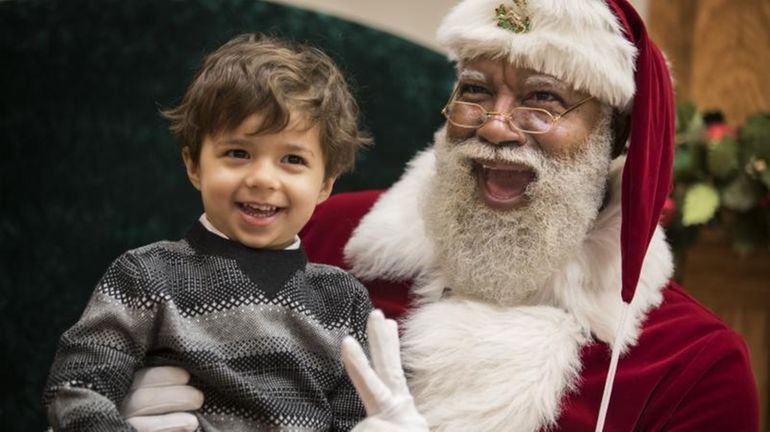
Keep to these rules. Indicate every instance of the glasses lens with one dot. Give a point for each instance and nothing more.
(532, 120)
(465, 114)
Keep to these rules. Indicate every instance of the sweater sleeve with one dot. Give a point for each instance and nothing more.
(347, 408)
(97, 357)
(724, 397)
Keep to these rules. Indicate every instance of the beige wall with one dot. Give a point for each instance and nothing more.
(415, 20)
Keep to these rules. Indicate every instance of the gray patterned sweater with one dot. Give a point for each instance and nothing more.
(259, 331)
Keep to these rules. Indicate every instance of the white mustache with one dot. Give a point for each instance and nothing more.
(474, 149)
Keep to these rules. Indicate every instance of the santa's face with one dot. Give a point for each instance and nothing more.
(499, 87)
(506, 209)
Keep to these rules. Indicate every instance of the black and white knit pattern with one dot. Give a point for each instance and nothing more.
(259, 331)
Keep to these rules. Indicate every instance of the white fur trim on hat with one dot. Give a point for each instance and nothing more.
(578, 41)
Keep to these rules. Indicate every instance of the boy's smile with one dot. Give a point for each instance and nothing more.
(260, 190)
(259, 214)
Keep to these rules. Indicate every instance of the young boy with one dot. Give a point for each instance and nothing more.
(264, 130)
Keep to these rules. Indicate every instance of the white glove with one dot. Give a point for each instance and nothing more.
(158, 400)
(382, 386)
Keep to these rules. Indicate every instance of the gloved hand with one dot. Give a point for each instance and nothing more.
(382, 386)
(159, 399)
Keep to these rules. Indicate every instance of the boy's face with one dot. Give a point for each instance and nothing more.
(260, 190)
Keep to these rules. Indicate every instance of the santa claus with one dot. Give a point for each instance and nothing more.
(538, 275)
(521, 251)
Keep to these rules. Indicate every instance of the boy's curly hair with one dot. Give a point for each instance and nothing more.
(258, 74)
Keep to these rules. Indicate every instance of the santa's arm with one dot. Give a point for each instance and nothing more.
(724, 394)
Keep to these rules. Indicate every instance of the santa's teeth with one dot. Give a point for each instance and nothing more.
(503, 167)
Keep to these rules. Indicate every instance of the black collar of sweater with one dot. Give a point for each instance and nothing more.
(270, 269)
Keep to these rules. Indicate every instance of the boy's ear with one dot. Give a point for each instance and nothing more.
(326, 189)
(192, 168)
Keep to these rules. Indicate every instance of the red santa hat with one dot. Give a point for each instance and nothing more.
(600, 47)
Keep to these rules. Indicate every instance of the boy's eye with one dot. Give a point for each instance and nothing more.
(237, 154)
(294, 160)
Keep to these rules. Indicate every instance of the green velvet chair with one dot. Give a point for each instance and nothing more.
(89, 169)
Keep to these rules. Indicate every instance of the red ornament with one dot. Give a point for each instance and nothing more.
(718, 131)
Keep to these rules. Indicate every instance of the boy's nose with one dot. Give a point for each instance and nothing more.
(262, 176)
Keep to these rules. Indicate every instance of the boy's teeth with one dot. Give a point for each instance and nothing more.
(261, 207)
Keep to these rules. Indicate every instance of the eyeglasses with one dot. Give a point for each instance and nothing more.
(524, 119)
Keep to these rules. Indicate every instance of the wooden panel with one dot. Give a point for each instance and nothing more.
(738, 290)
(720, 52)
(671, 27)
(731, 57)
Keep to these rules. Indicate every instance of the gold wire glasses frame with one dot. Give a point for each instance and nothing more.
(524, 119)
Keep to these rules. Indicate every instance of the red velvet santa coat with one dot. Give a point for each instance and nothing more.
(482, 367)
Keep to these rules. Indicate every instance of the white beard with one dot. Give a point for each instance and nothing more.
(505, 257)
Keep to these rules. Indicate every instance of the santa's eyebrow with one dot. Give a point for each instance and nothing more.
(471, 75)
(545, 80)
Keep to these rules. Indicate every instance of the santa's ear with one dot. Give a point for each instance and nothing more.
(621, 127)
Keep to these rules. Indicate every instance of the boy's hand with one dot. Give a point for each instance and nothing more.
(159, 399)
(382, 385)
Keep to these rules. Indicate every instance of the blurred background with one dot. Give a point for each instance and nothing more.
(89, 170)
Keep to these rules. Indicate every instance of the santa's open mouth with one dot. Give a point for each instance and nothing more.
(502, 185)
